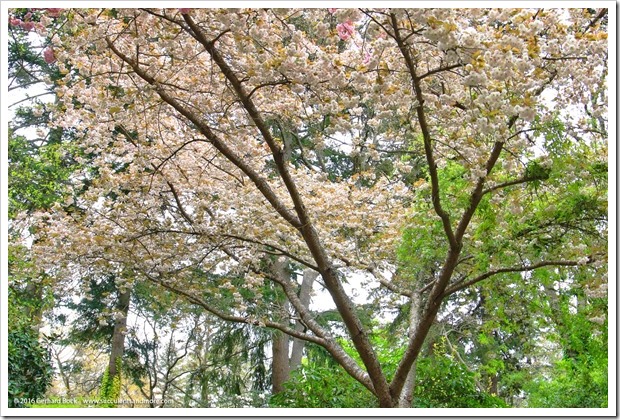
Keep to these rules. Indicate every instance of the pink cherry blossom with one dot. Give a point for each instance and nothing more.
(27, 26)
(184, 11)
(48, 55)
(15, 21)
(54, 12)
(332, 11)
(345, 30)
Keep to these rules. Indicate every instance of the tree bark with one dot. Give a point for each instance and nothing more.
(35, 312)
(493, 387)
(304, 296)
(280, 368)
(406, 395)
(118, 336)
(280, 362)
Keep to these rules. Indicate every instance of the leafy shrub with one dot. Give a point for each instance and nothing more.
(30, 370)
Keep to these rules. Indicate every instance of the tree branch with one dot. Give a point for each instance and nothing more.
(260, 183)
(234, 318)
(428, 149)
(280, 250)
(509, 183)
(464, 284)
(331, 345)
(439, 69)
(303, 223)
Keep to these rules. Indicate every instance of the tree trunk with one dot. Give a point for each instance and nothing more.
(63, 374)
(118, 336)
(406, 395)
(34, 291)
(493, 387)
(280, 362)
(304, 296)
(280, 367)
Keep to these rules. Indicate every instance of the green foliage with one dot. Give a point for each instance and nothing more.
(110, 389)
(37, 174)
(320, 382)
(87, 327)
(29, 367)
(29, 363)
(579, 378)
(441, 382)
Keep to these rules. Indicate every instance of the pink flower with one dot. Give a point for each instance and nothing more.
(184, 11)
(367, 57)
(48, 55)
(332, 11)
(14, 21)
(54, 12)
(345, 30)
(27, 26)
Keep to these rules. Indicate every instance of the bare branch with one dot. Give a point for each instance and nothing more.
(185, 215)
(598, 17)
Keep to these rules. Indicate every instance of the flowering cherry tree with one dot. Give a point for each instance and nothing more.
(207, 136)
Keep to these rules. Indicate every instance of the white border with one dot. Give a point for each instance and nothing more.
(331, 412)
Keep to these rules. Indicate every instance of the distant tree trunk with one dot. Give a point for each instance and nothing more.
(280, 363)
(34, 291)
(63, 374)
(280, 368)
(406, 395)
(118, 336)
(494, 384)
(304, 296)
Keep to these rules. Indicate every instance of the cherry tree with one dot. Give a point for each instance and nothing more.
(205, 133)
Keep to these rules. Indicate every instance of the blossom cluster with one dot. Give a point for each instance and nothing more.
(219, 135)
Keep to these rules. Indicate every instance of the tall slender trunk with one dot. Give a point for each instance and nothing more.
(280, 363)
(35, 311)
(406, 395)
(494, 385)
(118, 336)
(280, 368)
(63, 374)
(304, 296)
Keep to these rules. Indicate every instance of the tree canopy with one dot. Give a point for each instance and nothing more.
(446, 162)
